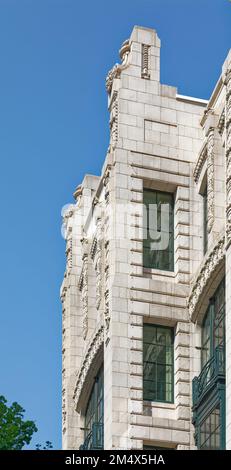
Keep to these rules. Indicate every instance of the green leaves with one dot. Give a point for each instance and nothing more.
(15, 432)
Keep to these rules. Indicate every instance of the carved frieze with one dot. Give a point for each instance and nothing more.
(210, 178)
(228, 156)
(145, 72)
(83, 286)
(92, 350)
(213, 260)
(98, 263)
(106, 182)
(114, 121)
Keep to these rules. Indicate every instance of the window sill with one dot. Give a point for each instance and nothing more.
(159, 272)
(159, 404)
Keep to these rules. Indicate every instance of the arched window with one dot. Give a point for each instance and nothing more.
(213, 329)
(94, 416)
(209, 386)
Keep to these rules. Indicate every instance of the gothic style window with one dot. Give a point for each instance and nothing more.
(213, 330)
(93, 429)
(158, 239)
(210, 433)
(205, 219)
(209, 386)
(158, 364)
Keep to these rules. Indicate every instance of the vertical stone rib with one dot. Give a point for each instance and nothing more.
(145, 61)
(228, 156)
(210, 178)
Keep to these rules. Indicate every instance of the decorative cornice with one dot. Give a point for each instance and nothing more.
(212, 261)
(91, 352)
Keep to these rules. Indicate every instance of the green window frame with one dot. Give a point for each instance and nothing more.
(94, 415)
(213, 327)
(158, 259)
(209, 404)
(158, 363)
(210, 430)
(205, 219)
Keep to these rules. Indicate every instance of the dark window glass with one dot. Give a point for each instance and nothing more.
(158, 363)
(213, 330)
(210, 431)
(94, 415)
(158, 227)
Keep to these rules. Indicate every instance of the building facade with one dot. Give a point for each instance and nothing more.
(146, 291)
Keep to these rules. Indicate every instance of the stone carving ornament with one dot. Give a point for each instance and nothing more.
(210, 178)
(113, 121)
(211, 263)
(117, 69)
(92, 350)
(83, 286)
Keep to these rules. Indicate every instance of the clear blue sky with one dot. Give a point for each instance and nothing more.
(54, 56)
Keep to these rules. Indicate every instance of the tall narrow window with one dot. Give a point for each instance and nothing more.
(205, 219)
(158, 239)
(93, 429)
(209, 386)
(210, 431)
(158, 363)
(213, 329)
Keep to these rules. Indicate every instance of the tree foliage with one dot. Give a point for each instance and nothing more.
(48, 446)
(15, 431)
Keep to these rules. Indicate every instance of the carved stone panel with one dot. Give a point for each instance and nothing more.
(210, 178)
(228, 157)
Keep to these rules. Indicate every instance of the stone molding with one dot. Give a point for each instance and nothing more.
(113, 121)
(211, 263)
(206, 155)
(210, 178)
(92, 350)
(228, 156)
(145, 73)
(221, 123)
(83, 286)
(200, 162)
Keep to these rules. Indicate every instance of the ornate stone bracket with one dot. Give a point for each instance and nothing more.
(212, 262)
(67, 216)
(92, 350)
(117, 69)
